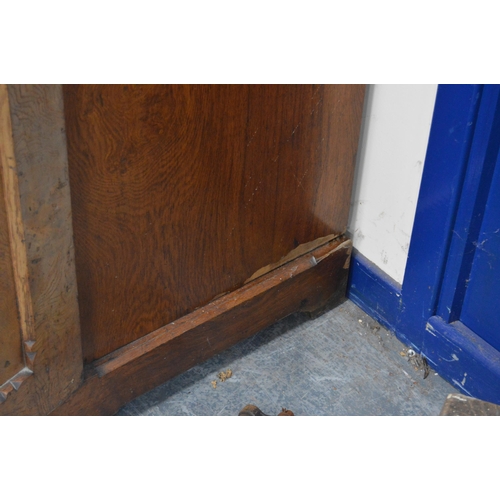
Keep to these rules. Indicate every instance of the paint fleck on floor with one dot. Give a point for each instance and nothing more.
(341, 363)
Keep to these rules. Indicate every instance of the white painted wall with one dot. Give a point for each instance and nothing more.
(394, 136)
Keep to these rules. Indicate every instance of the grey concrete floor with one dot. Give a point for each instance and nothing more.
(341, 363)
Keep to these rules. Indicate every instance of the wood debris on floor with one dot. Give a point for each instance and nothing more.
(223, 376)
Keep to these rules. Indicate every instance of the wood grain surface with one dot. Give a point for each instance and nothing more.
(181, 193)
(54, 353)
(16, 315)
(11, 354)
(306, 283)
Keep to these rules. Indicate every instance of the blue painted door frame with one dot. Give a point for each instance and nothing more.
(425, 311)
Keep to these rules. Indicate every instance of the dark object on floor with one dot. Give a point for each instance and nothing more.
(418, 362)
(458, 405)
(253, 411)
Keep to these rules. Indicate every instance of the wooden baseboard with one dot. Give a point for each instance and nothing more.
(304, 284)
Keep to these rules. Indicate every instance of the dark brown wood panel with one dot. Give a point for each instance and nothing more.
(11, 353)
(304, 284)
(182, 192)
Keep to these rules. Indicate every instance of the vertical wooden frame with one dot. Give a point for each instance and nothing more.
(15, 240)
(34, 164)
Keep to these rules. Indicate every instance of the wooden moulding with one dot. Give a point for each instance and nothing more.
(306, 284)
(33, 145)
(13, 213)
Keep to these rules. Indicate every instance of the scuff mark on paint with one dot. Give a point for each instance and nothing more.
(458, 384)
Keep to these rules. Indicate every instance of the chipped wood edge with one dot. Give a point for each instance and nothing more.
(17, 244)
(293, 254)
(14, 383)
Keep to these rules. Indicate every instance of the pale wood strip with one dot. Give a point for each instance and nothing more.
(14, 218)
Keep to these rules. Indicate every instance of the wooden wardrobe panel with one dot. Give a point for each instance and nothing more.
(182, 192)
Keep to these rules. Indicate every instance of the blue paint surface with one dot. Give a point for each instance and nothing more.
(481, 307)
(374, 291)
(466, 361)
(471, 209)
(450, 140)
(454, 351)
(452, 271)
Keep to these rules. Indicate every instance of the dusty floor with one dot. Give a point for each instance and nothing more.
(341, 363)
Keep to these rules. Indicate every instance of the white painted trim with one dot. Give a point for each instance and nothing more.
(395, 132)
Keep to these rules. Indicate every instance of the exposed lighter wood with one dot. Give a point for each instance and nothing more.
(293, 254)
(182, 192)
(17, 251)
(11, 354)
(5, 390)
(37, 120)
(14, 217)
(307, 284)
